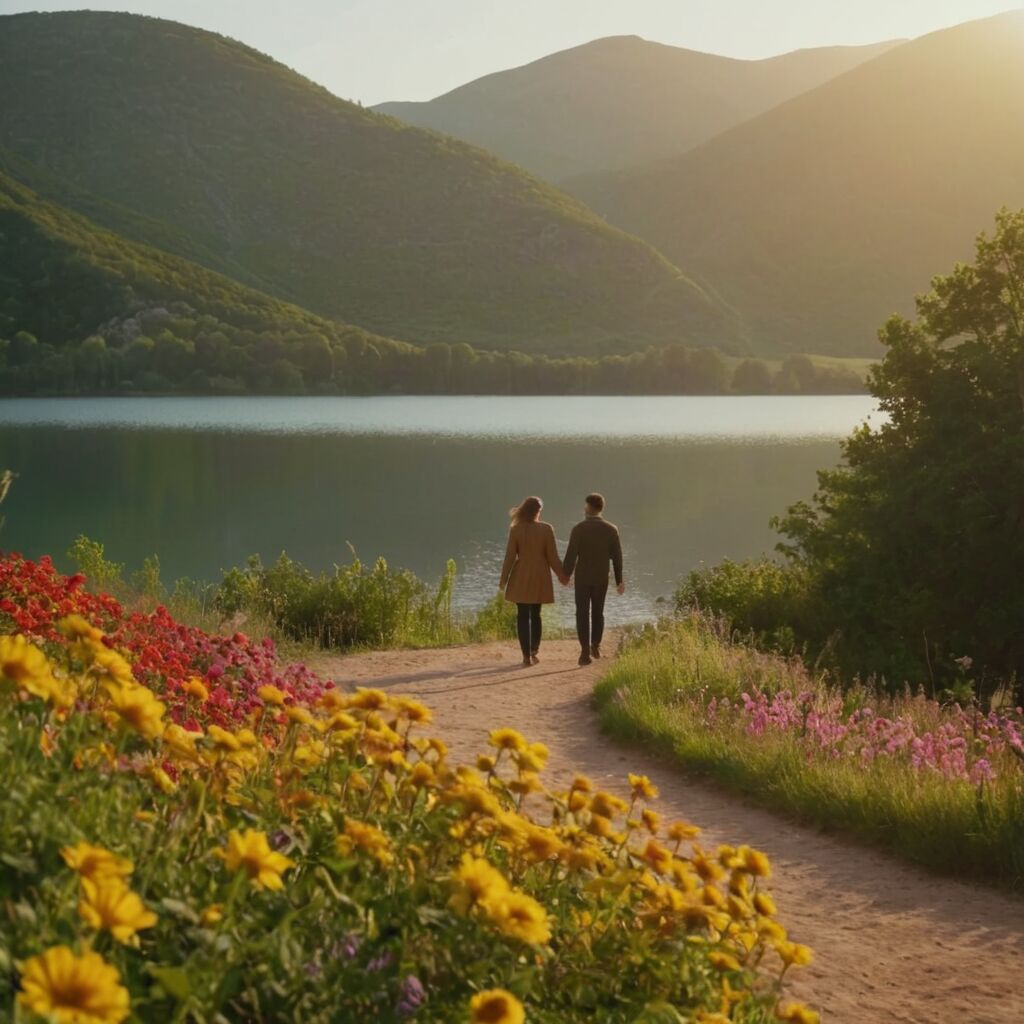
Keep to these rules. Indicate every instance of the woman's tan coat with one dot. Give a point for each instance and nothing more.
(530, 559)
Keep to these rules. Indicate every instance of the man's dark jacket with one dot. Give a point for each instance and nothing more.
(593, 543)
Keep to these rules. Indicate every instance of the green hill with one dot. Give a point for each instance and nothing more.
(818, 219)
(190, 141)
(620, 101)
(77, 299)
(85, 311)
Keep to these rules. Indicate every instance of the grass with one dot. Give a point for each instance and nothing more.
(679, 688)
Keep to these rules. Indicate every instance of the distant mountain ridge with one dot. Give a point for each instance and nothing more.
(620, 101)
(819, 218)
(186, 140)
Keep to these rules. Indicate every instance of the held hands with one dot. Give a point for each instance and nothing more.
(563, 579)
(621, 588)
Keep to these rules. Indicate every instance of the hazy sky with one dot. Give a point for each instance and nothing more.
(375, 50)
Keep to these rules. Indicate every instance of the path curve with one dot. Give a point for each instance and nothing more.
(892, 944)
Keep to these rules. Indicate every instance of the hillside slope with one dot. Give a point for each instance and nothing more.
(818, 219)
(73, 294)
(620, 101)
(269, 178)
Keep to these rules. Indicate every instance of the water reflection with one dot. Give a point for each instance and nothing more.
(206, 499)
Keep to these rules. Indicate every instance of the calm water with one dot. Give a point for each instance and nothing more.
(205, 482)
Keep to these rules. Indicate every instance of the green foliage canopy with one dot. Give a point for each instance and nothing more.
(914, 547)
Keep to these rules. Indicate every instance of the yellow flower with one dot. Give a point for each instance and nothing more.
(723, 961)
(642, 787)
(507, 739)
(309, 755)
(71, 989)
(416, 712)
(369, 838)
(163, 781)
(340, 721)
(480, 882)
(332, 700)
(764, 904)
(755, 862)
(222, 739)
(528, 782)
(75, 627)
(195, 687)
(211, 915)
(797, 1013)
(651, 820)
(181, 742)
(521, 917)
(299, 715)
(533, 758)
(769, 929)
(680, 830)
(109, 904)
(112, 666)
(657, 856)
(582, 783)
(26, 666)
(496, 1006)
(485, 763)
(271, 695)
(249, 851)
(94, 862)
(422, 774)
(607, 805)
(368, 699)
(138, 708)
(541, 843)
(793, 953)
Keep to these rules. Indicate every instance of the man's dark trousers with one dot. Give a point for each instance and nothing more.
(590, 614)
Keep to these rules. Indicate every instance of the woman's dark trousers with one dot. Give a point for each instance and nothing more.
(590, 615)
(528, 628)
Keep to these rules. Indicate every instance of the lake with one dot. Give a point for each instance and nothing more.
(205, 482)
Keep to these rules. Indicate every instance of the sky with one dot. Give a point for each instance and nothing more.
(377, 50)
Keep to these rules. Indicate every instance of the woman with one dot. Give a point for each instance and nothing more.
(530, 559)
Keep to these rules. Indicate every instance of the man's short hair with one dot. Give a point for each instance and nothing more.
(596, 501)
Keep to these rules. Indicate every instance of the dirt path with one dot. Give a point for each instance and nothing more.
(892, 944)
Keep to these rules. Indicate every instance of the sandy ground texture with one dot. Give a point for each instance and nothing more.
(891, 943)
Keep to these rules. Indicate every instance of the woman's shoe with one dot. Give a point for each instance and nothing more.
(534, 660)
(584, 659)
(595, 651)
(527, 663)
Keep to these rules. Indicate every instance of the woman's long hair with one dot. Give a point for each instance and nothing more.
(526, 511)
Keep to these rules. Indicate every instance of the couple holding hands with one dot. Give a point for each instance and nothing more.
(531, 558)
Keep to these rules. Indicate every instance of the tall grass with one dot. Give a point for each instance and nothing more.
(938, 784)
(353, 606)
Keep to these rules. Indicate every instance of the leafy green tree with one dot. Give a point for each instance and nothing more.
(915, 545)
(752, 377)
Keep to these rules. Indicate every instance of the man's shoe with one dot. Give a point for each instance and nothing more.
(584, 659)
(595, 651)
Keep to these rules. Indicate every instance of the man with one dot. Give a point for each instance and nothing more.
(593, 543)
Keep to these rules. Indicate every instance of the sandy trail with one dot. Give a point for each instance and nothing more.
(891, 943)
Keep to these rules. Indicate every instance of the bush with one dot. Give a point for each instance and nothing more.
(760, 598)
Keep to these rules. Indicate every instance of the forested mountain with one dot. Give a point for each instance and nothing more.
(76, 300)
(818, 219)
(83, 310)
(194, 143)
(620, 101)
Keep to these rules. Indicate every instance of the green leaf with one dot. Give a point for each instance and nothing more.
(173, 980)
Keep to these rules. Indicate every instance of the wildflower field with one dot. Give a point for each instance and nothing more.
(191, 831)
(940, 783)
